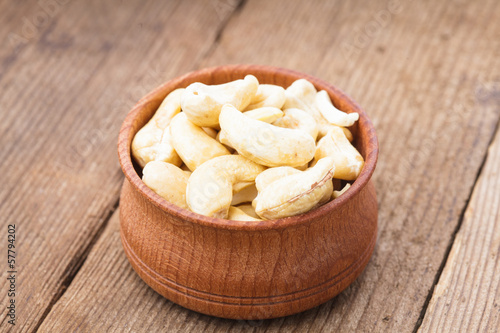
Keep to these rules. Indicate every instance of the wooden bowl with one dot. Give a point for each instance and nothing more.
(247, 270)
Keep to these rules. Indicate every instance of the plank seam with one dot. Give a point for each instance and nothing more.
(74, 266)
(455, 232)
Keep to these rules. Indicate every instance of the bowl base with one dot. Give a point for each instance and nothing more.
(245, 308)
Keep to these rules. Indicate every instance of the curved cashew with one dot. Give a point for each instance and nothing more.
(237, 214)
(348, 161)
(152, 142)
(186, 170)
(298, 119)
(237, 187)
(245, 193)
(210, 187)
(168, 180)
(301, 94)
(220, 138)
(248, 209)
(337, 194)
(331, 113)
(202, 103)
(264, 143)
(347, 133)
(273, 174)
(165, 151)
(327, 196)
(210, 131)
(302, 167)
(297, 193)
(193, 145)
(267, 95)
(266, 114)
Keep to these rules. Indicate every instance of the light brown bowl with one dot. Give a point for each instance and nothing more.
(247, 270)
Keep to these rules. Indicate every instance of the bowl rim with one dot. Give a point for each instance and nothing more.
(125, 138)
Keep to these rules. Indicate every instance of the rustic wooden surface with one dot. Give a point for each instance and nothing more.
(467, 296)
(427, 73)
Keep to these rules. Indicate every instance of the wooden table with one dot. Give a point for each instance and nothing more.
(427, 73)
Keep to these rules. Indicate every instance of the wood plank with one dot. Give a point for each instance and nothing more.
(467, 297)
(104, 304)
(428, 79)
(65, 92)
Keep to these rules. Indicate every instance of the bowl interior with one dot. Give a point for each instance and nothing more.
(365, 139)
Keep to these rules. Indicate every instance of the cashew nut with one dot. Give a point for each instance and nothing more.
(302, 174)
(186, 170)
(210, 187)
(152, 142)
(193, 145)
(264, 143)
(202, 103)
(347, 134)
(337, 194)
(348, 161)
(266, 114)
(302, 167)
(327, 196)
(331, 113)
(237, 214)
(164, 150)
(298, 119)
(301, 94)
(237, 187)
(267, 95)
(225, 143)
(296, 193)
(168, 180)
(245, 193)
(249, 210)
(273, 174)
(210, 131)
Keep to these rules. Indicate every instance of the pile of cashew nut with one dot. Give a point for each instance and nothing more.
(247, 151)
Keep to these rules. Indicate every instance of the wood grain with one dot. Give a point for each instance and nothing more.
(108, 296)
(65, 92)
(467, 296)
(418, 77)
(427, 75)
